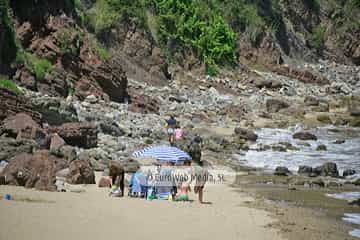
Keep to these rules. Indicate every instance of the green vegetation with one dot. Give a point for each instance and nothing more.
(105, 13)
(318, 37)
(8, 43)
(185, 24)
(10, 85)
(70, 41)
(38, 67)
(102, 52)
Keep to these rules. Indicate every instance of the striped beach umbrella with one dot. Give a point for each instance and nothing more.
(163, 154)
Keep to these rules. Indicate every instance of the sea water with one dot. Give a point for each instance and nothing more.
(346, 155)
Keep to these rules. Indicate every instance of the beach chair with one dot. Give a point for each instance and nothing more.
(138, 185)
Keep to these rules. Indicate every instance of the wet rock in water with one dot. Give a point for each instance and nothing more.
(339, 141)
(10, 147)
(349, 172)
(82, 135)
(36, 170)
(305, 170)
(81, 172)
(104, 182)
(245, 134)
(282, 171)
(357, 182)
(323, 118)
(321, 147)
(305, 136)
(274, 105)
(327, 169)
(355, 202)
(311, 101)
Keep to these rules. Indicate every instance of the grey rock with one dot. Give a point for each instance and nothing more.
(274, 105)
(282, 171)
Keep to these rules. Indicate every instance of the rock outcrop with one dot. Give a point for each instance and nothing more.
(33, 171)
(77, 134)
(12, 104)
(81, 172)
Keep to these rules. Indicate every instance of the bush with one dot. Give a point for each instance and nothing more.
(10, 85)
(102, 52)
(41, 68)
(8, 43)
(185, 24)
(38, 67)
(105, 13)
(318, 37)
(70, 41)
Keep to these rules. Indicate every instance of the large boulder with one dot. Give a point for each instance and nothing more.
(275, 105)
(327, 169)
(82, 135)
(349, 172)
(305, 170)
(304, 136)
(81, 172)
(104, 182)
(36, 170)
(245, 134)
(10, 147)
(19, 124)
(282, 171)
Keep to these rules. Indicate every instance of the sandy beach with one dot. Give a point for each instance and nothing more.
(93, 215)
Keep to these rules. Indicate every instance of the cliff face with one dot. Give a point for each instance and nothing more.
(85, 47)
(56, 56)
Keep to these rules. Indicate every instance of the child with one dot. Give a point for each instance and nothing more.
(178, 132)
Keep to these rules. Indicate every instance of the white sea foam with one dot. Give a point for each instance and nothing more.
(346, 155)
(355, 233)
(349, 196)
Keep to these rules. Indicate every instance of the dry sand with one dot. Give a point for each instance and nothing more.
(94, 215)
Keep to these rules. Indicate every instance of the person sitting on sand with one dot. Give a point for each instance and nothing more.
(182, 176)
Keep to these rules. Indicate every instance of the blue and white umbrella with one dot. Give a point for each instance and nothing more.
(163, 154)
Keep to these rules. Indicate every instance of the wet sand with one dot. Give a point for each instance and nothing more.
(93, 215)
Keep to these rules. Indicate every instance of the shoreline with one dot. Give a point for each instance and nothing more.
(301, 213)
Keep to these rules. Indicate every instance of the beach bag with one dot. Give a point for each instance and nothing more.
(116, 192)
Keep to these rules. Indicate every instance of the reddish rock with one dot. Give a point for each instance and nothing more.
(33, 171)
(144, 104)
(104, 182)
(301, 75)
(83, 135)
(81, 172)
(22, 126)
(12, 104)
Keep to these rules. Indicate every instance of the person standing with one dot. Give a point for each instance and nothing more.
(201, 176)
(171, 123)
